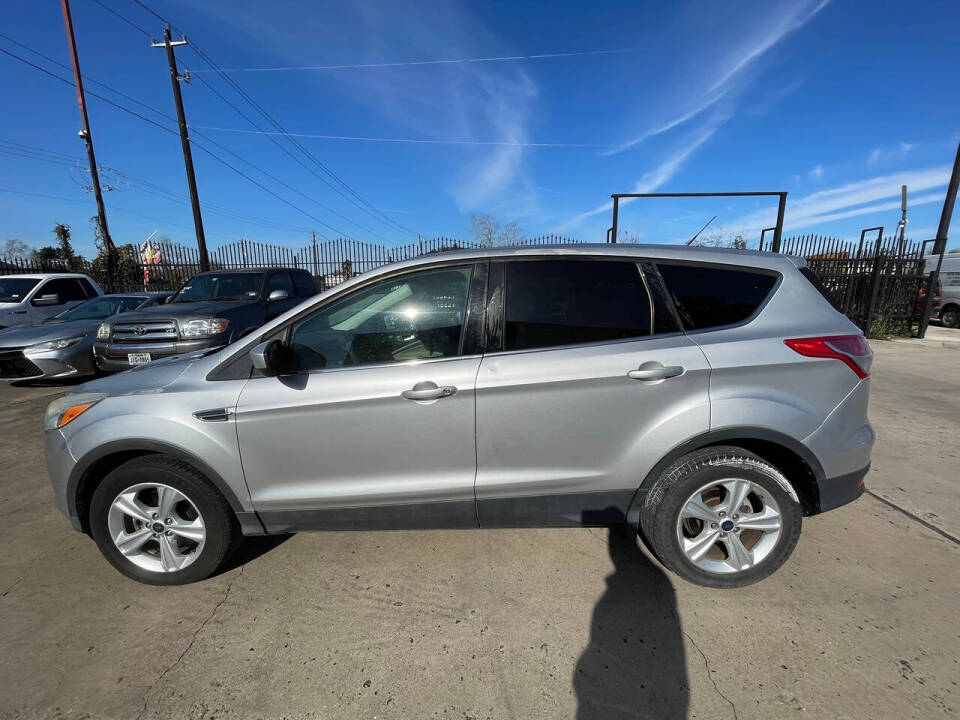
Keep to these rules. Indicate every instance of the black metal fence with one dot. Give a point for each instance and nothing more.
(877, 281)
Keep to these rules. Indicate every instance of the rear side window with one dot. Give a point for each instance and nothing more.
(815, 281)
(567, 302)
(304, 283)
(711, 297)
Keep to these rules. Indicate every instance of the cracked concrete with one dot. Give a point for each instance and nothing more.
(861, 623)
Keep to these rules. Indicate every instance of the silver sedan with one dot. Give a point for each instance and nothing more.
(61, 347)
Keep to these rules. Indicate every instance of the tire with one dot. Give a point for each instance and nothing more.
(688, 504)
(201, 534)
(950, 316)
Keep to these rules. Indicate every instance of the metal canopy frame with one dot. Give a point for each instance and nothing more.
(777, 229)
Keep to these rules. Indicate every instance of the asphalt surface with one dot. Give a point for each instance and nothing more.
(861, 623)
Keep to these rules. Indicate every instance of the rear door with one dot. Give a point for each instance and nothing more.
(587, 382)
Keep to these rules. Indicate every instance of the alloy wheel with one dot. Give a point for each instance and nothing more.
(729, 526)
(156, 527)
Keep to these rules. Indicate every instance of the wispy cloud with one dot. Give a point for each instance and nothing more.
(851, 199)
(815, 173)
(889, 154)
(654, 179)
(727, 85)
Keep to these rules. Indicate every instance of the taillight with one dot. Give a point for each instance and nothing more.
(854, 350)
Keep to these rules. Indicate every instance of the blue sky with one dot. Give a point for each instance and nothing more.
(837, 102)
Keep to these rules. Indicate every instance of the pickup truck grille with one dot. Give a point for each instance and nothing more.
(14, 366)
(153, 331)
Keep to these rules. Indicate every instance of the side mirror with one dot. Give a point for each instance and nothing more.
(277, 295)
(273, 358)
(46, 300)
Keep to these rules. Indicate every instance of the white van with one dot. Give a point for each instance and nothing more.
(31, 299)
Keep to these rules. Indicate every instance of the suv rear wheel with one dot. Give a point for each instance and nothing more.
(950, 316)
(158, 521)
(721, 517)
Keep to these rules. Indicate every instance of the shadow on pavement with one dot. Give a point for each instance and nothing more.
(634, 665)
(250, 549)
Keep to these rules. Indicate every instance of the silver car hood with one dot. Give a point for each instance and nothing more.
(44, 332)
(144, 379)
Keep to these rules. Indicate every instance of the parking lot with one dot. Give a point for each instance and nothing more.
(861, 623)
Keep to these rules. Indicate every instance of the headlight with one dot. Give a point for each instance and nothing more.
(69, 408)
(51, 345)
(103, 332)
(203, 328)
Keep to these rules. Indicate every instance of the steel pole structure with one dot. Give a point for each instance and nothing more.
(940, 244)
(185, 144)
(88, 140)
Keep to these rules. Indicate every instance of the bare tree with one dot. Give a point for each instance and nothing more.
(16, 249)
(487, 231)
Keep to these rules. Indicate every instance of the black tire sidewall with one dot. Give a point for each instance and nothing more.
(218, 523)
(955, 314)
(663, 521)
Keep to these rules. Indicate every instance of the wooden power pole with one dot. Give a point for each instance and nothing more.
(88, 141)
(175, 78)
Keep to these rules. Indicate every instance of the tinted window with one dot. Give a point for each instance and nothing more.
(566, 302)
(280, 281)
(410, 317)
(68, 289)
(304, 283)
(88, 288)
(711, 296)
(815, 281)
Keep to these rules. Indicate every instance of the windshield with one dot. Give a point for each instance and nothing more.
(221, 286)
(14, 290)
(99, 308)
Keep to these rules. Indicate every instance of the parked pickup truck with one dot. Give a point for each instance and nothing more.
(31, 299)
(213, 309)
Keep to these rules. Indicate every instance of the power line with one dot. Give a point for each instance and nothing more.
(413, 63)
(422, 141)
(288, 153)
(127, 20)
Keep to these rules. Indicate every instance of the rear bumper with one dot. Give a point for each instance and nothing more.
(112, 357)
(841, 490)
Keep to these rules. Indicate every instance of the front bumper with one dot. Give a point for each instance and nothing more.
(52, 365)
(112, 357)
(60, 463)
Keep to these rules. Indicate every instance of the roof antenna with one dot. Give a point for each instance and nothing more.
(690, 241)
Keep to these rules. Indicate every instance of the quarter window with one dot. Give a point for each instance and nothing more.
(567, 302)
(410, 317)
(711, 297)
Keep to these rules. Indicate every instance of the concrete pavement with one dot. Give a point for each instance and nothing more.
(861, 623)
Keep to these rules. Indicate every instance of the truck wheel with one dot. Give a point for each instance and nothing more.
(721, 517)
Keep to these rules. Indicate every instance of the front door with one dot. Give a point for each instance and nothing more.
(589, 383)
(377, 428)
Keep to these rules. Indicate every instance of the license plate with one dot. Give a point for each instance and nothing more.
(138, 358)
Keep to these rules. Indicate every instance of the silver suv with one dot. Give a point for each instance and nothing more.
(705, 399)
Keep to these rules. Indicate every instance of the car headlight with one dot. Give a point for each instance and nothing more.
(51, 345)
(68, 408)
(103, 332)
(203, 328)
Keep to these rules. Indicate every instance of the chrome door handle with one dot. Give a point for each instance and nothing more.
(428, 391)
(655, 371)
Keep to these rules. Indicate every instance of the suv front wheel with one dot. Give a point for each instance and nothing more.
(158, 521)
(721, 517)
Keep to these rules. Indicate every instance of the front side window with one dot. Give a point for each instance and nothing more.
(709, 296)
(221, 286)
(67, 290)
(304, 283)
(280, 281)
(568, 302)
(410, 317)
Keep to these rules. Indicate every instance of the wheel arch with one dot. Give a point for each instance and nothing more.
(791, 457)
(93, 467)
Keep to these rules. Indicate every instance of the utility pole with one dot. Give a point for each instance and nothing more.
(88, 141)
(940, 243)
(175, 79)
